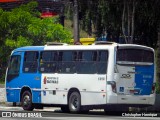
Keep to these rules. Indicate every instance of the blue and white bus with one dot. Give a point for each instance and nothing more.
(78, 78)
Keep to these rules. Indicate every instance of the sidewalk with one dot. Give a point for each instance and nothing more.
(2, 93)
(1, 85)
(4, 107)
(10, 107)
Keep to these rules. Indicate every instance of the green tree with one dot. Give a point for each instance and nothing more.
(128, 17)
(23, 26)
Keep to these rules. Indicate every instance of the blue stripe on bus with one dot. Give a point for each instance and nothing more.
(30, 48)
(144, 79)
(31, 80)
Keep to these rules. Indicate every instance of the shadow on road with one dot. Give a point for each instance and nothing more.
(91, 113)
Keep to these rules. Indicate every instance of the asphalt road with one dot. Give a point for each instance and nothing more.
(47, 114)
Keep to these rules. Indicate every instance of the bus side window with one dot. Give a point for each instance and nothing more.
(86, 65)
(94, 56)
(102, 62)
(75, 56)
(67, 64)
(80, 56)
(60, 55)
(30, 62)
(14, 67)
(48, 61)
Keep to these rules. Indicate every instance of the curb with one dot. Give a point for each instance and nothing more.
(2, 85)
(18, 108)
(2, 95)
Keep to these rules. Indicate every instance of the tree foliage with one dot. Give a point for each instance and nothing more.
(129, 18)
(23, 26)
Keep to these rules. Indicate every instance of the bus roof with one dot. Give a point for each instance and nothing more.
(134, 45)
(30, 48)
(79, 47)
(68, 47)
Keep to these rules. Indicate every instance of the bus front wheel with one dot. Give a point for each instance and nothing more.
(26, 101)
(75, 102)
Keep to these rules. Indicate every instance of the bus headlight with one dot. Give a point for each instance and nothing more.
(113, 85)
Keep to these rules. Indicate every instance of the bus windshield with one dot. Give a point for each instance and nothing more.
(135, 56)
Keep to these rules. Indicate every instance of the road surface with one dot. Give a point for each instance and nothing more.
(16, 113)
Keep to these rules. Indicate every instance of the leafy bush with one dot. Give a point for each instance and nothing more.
(23, 26)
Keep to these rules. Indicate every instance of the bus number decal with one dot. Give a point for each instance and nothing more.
(101, 78)
(53, 80)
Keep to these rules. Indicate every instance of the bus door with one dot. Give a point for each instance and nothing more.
(135, 68)
(14, 67)
(13, 73)
(30, 75)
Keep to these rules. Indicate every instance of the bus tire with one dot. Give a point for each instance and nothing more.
(26, 101)
(74, 102)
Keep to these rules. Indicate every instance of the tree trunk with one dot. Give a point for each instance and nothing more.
(123, 20)
(133, 16)
(129, 21)
(76, 21)
(89, 25)
(129, 15)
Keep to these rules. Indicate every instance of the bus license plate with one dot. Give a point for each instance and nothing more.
(134, 91)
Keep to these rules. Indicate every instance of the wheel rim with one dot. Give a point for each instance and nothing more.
(26, 101)
(74, 102)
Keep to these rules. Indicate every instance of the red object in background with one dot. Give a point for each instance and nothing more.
(48, 14)
(9, 0)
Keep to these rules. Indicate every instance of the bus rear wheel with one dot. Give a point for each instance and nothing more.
(26, 101)
(74, 102)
